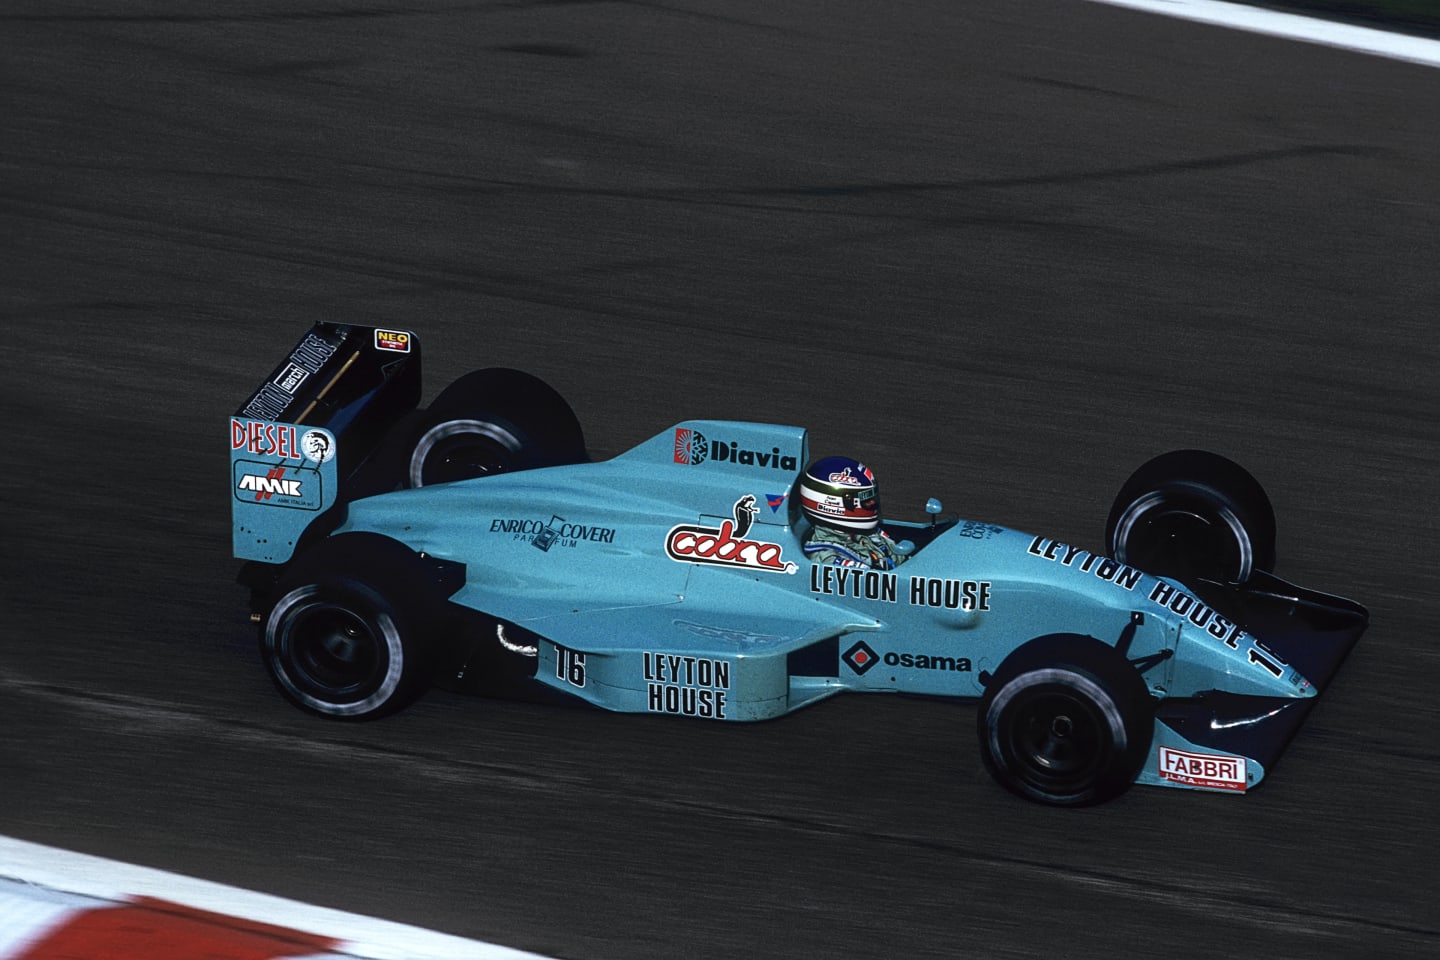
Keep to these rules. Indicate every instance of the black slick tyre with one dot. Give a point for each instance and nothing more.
(1066, 721)
(492, 421)
(346, 638)
(1193, 514)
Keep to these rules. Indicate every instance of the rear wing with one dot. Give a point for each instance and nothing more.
(309, 427)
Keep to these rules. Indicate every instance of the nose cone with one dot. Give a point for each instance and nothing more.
(1262, 664)
(1234, 663)
(1303, 687)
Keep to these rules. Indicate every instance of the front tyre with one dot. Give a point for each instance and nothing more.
(337, 647)
(1066, 722)
(1193, 514)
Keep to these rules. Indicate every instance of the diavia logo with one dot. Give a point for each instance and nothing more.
(726, 545)
(690, 446)
(693, 447)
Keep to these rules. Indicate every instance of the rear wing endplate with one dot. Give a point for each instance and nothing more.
(309, 426)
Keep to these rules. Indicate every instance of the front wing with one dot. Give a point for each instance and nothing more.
(1226, 742)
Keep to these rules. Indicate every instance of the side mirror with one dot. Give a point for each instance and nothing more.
(933, 507)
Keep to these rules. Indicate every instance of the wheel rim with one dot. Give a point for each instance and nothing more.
(1058, 740)
(462, 450)
(333, 654)
(1175, 537)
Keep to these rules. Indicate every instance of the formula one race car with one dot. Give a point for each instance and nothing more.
(473, 544)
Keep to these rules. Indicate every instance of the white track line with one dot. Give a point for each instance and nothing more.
(52, 880)
(1380, 43)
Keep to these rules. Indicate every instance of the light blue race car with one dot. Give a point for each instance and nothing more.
(474, 545)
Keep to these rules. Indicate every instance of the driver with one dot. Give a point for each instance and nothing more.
(838, 495)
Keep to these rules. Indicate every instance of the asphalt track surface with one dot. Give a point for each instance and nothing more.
(1003, 250)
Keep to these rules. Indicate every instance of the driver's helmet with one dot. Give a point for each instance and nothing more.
(840, 492)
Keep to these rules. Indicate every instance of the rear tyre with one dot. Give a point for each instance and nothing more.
(492, 421)
(339, 644)
(1066, 721)
(1192, 514)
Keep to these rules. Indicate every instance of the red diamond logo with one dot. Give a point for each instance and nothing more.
(860, 657)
